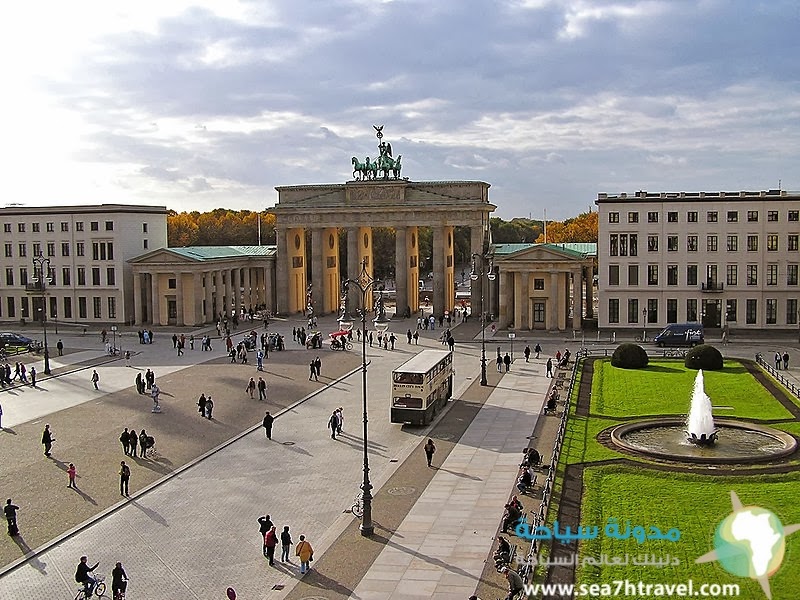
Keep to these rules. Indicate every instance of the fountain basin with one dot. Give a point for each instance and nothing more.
(736, 441)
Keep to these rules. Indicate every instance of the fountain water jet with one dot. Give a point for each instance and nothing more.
(700, 423)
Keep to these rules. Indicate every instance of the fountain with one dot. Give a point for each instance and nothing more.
(700, 439)
(700, 424)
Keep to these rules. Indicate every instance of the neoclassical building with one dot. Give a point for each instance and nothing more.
(193, 285)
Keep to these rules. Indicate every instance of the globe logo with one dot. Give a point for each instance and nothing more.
(750, 542)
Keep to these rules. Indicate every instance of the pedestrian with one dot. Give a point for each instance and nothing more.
(270, 541)
(286, 541)
(72, 471)
(119, 581)
(127, 358)
(143, 444)
(785, 360)
(134, 443)
(499, 362)
(10, 511)
(409, 336)
(430, 448)
(180, 348)
(124, 478)
(304, 550)
(260, 360)
(201, 403)
(262, 389)
(333, 424)
(209, 407)
(318, 367)
(416, 338)
(125, 440)
(527, 353)
(174, 340)
(191, 342)
(507, 362)
(538, 350)
(60, 346)
(47, 440)
(264, 525)
(312, 370)
(340, 420)
(251, 387)
(139, 383)
(1, 416)
(778, 360)
(267, 424)
(392, 340)
(549, 367)
(33, 375)
(95, 378)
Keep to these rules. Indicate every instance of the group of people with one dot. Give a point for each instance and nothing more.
(21, 373)
(336, 422)
(145, 336)
(503, 361)
(130, 441)
(781, 359)
(84, 574)
(527, 352)
(270, 539)
(314, 368)
(252, 386)
(205, 406)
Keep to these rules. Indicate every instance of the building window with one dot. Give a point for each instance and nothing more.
(672, 216)
(652, 243)
(752, 274)
(7, 227)
(23, 276)
(711, 243)
(172, 309)
(94, 226)
(672, 274)
(95, 251)
(67, 308)
(623, 245)
(538, 312)
(633, 310)
(691, 309)
(25, 308)
(144, 226)
(9, 276)
(633, 217)
(95, 275)
(672, 243)
(772, 215)
(752, 243)
(732, 275)
(538, 283)
(51, 248)
(711, 216)
(691, 216)
(633, 275)
(110, 250)
(79, 226)
(633, 246)
(691, 275)
(772, 311)
(9, 248)
(82, 313)
(791, 243)
(21, 227)
(23, 251)
(733, 243)
(652, 274)
(111, 276)
(652, 217)
(791, 274)
(64, 226)
(11, 308)
(82, 276)
(772, 274)
(730, 310)
(35, 227)
(691, 243)
(752, 216)
(733, 216)
(613, 274)
(672, 310)
(65, 276)
(37, 249)
(772, 243)
(613, 217)
(64, 248)
(613, 310)
(144, 244)
(613, 245)
(109, 225)
(97, 307)
(51, 227)
(794, 215)
(652, 310)
(791, 311)
(172, 283)
(112, 307)
(79, 249)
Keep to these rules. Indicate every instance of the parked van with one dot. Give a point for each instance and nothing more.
(680, 334)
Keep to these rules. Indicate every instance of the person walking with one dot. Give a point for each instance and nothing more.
(60, 347)
(33, 376)
(209, 407)
(538, 350)
(270, 542)
(499, 361)
(549, 367)
(10, 511)
(409, 336)
(251, 387)
(262, 389)
(264, 525)
(125, 440)
(260, 360)
(333, 424)
(785, 361)
(318, 367)
(507, 362)
(267, 425)
(72, 472)
(416, 338)
(429, 448)
(304, 550)
(47, 440)
(95, 378)
(340, 420)
(778, 361)
(134, 443)
(527, 353)
(286, 542)
(124, 478)
(139, 383)
(201, 405)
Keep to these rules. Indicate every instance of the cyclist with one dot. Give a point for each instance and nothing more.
(82, 575)
(119, 582)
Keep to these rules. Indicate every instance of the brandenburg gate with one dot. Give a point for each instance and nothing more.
(377, 197)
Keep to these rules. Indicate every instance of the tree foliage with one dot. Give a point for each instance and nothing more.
(582, 228)
(220, 227)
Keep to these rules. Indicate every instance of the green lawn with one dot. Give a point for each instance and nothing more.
(665, 387)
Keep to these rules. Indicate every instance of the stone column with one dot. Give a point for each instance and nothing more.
(137, 297)
(551, 320)
(577, 305)
(155, 299)
(197, 298)
(318, 270)
(282, 262)
(412, 268)
(208, 313)
(297, 269)
(439, 241)
(588, 284)
(521, 301)
(401, 269)
(477, 292)
(180, 298)
(330, 273)
(148, 297)
(505, 299)
(269, 295)
(248, 290)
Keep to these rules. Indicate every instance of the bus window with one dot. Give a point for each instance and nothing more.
(407, 402)
(409, 378)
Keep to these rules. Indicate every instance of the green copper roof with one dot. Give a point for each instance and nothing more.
(576, 248)
(216, 252)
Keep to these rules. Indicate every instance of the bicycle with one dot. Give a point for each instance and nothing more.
(99, 589)
(358, 506)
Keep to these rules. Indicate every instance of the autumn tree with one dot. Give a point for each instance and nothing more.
(582, 228)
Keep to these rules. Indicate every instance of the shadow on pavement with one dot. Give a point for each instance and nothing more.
(25, 549)
(154, 516)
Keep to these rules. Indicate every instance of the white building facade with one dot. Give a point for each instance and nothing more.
(90, 280)
(717, 258)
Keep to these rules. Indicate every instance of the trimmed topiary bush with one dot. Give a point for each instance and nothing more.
(629, 356)
(703, 357)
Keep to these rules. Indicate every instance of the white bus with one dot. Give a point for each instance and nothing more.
(421, 387)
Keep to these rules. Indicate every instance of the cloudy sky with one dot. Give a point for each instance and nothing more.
(208, 103)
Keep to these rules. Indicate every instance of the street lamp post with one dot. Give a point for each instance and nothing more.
(114, 338)
(474, 275)
(365, 284)
(40, 263)
(644, 324)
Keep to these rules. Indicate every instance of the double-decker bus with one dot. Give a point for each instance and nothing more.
(421, 387)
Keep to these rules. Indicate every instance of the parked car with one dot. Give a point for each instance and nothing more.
(14, 340)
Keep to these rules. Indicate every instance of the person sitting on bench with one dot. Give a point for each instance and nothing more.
(502, 556)
(525, 480)
(532, 458)
(552, 400)
(511, 517)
